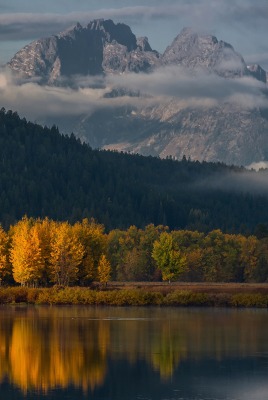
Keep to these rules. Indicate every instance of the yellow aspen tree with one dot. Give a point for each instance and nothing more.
(104, 270)
(25, 253)
(66, 255)
(91, 235)
(5, 266)
(45, 229)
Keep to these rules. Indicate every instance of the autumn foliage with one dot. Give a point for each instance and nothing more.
(43, 252)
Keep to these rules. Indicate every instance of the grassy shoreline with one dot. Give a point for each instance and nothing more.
(143, 294)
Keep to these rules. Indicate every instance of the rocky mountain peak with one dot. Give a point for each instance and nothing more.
(193, 50)
(121, 33)
(71, 31)
(100, 47)
(258, 72)
(143, 44)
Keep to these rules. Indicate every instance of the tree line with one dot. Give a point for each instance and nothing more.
(44, 173)
(43, 252)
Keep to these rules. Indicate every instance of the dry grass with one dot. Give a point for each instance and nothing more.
(144, 294)
(200, 287)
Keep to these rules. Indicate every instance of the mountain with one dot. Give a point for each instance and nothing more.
(44, 173)
(192, 50)
(100, 47)
(258, 72)
(199, 120)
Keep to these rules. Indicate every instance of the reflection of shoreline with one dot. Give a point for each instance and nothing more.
(46, 348)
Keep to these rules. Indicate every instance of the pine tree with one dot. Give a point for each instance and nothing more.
(5, 266)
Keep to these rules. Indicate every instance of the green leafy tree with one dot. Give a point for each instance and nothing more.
(168, 258)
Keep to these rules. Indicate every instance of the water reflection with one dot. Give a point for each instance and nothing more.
(43, 348)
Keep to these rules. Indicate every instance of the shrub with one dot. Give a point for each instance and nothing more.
(249, 300)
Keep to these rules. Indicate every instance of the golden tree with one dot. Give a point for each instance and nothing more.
(45, 230)
(91, 235)
(104, 270)
(25, 253)
(66, 255)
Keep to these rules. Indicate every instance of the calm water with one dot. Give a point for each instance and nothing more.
(133, 353)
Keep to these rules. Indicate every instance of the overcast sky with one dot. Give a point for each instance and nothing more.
(243, 23)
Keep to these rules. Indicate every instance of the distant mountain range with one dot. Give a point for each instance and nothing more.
(233, 130)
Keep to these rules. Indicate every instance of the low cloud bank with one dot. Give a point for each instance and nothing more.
(90, 93)
(205, 14)
(242, 181)
(178, 83)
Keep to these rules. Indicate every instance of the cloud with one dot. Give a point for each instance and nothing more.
(37, 102)
(176, 82)
(203, 15)
(262, 58)
(244, 181)
(89, 94)
(258, 165)
(29, 26)
(239, 22)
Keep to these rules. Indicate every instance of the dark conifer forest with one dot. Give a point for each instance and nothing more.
(46, 174)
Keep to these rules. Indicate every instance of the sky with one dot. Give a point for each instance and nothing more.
(243, 23)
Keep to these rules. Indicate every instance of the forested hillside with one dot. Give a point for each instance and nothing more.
(44, 173)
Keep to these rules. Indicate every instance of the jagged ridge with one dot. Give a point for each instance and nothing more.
(100, 47)
(222, 133)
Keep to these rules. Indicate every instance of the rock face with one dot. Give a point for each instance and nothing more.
(227, 134)
(234, 134)
(258, 72)
(100, 47)
(193, 51)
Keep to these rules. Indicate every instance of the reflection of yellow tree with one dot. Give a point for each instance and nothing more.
(78, 359)
(46, 348)
(167, 351)
(25, 356)
(77, 355)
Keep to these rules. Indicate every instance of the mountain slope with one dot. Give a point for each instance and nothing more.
(206, 103)
(46, 174)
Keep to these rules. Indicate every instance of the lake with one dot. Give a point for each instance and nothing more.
(104, 353)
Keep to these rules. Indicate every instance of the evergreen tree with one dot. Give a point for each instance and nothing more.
(5, 266)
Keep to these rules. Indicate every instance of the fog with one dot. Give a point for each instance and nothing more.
(88, 94)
